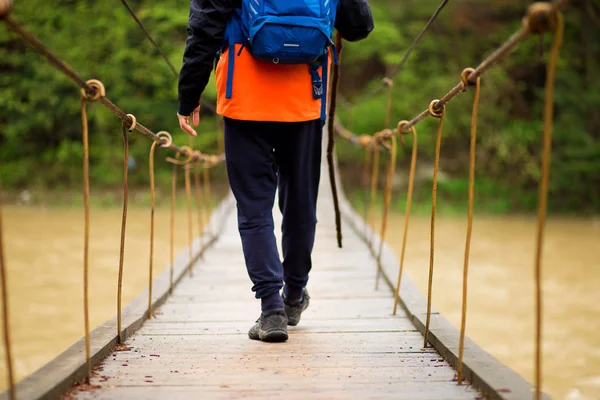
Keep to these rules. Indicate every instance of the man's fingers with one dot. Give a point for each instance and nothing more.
(196, 116)
(185, 126)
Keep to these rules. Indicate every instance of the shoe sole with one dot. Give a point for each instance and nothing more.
(276, 335)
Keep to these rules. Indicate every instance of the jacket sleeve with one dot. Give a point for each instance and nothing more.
(354, 20)
(206, 29)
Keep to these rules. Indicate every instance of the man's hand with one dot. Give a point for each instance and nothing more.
(184, 122)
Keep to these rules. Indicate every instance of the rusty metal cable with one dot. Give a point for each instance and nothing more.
(411, 181)
(391, 163)
(143, 28)
(463, 321)
(58, 63)
(436, 112)
(389, 181)
(123, 224)
(207, 197)
(398, 67)
(366, 172)
(176, 162)
(6, 312)
(199, 206)
(331, 141)
(86, 235)
(374, 187)
(204, 103)
(167, 141)
(90, 90)
(152, 209)
(188, 196)
(172, 236)
(540, 13)
(543, 194)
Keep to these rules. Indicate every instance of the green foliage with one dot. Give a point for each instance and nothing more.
(40, 128)
(40, 135)
(510, 116)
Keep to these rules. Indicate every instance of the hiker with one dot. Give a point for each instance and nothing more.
(272, 92)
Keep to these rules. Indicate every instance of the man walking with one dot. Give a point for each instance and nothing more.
(272, 95)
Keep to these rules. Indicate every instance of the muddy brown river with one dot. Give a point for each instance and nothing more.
(44, 257)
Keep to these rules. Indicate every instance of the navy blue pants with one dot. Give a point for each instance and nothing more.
(262, 157)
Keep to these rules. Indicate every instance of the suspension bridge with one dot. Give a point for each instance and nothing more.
(357, 339)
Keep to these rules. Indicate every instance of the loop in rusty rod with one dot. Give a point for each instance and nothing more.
(543, 195)
(123, 227)
(98, 90)
(133, 122)
(540, 17)
(184, 149)
(5, 8)
(5, 312)
(464, 78)
(463, 322)
(411, 181)
(165, 139)
(435, 110)
(438, 146)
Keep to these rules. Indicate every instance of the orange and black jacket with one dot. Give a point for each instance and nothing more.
(207, 21)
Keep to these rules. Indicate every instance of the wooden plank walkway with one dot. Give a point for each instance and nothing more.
(347, 345)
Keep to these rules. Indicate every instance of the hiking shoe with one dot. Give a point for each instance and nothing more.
(293, 309)
(270, 327)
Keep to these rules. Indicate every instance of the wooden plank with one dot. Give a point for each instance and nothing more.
(309, 325)
(361, 391)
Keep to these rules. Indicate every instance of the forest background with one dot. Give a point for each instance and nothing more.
(40, 128)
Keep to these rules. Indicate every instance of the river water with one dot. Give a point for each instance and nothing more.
(44, 257)
(501, 291)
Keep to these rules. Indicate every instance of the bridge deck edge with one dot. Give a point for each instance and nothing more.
(485, 372)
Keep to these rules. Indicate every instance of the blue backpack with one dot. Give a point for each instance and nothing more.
(285, 32)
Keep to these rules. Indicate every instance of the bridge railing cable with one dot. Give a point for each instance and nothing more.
(91, 91)
(149, 37)
(205, 103)
(6, 312)
(540, 18)
(92, 88)
(384, 83)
